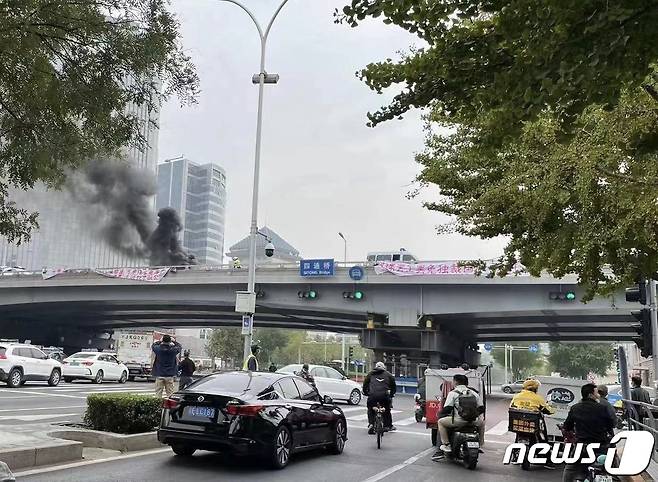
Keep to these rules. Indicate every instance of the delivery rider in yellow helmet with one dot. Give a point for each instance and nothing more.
(529, 399)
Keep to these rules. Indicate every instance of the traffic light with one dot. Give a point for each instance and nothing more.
(357, 295)
(351, 352)
(308, 295)
(644, 339)
(637, 293)
(562, 295)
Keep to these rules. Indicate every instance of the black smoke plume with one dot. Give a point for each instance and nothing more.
(118, 198)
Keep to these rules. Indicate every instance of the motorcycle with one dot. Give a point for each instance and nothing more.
(420, 408)
(530, 428)
(465, 446)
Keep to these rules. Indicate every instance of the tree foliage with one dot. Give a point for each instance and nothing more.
(68, 72)
(524, 362)
(577, 360)
(547, 125)
(226, 343)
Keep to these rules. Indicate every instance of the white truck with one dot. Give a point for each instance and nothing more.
(134, 350)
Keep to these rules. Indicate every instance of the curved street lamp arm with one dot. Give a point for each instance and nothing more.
(269, 25)
(253, 17)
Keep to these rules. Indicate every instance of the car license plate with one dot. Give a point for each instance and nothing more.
(473, 445)
(194, 412)
(603, 478)
(74, 363)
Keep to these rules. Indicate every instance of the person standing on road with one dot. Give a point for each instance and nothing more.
(187, 369)
(379, 386)
(639, 394)
(603, 393)
(251, 362)
(592, 424)
(304, 373)
(165, 366)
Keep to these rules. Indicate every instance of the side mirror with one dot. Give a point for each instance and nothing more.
(327, 400)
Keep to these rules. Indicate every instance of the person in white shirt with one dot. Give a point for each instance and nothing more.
(463, 406)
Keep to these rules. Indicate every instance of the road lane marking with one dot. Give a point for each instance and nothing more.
(499, 429)
(115, 391)
(391, 470)
(30, 418)
(358, 418)
(353, 409)
(41, 408)
(89, 462)
(45, 394)
(407, 432)
(406, 421)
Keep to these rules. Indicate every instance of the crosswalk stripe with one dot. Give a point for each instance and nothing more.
(358, 418)
(499, 429)
(353, 409)
(28, 418)
(41, 408)
(406, 421)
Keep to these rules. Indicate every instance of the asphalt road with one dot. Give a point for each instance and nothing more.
(405, 454)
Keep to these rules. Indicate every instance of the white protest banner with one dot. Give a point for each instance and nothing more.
(153, 275)
(423, 269)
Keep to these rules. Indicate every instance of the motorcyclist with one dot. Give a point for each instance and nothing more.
(463, 406)
(379, 386)
(304, 373)
(529, 399)
(592, 424)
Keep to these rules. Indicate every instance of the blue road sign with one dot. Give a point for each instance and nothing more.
(488, 346)
(534, 348)
(316, 267)
(247, 320)
(356, 273)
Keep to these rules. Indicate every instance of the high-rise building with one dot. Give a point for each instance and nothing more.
(198, 193)
(65, 237)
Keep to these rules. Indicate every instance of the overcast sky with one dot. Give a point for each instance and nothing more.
(322, 170)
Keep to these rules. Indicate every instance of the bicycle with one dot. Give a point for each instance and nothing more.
(379, 423)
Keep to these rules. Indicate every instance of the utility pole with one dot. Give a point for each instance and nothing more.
(506, 370)
(343, 352)
(654, 329)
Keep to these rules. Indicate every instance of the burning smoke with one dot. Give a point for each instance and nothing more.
(117, 198)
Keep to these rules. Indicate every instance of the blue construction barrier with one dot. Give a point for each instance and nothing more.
(407, 385)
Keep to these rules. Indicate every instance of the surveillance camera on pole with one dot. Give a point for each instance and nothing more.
(269, 250)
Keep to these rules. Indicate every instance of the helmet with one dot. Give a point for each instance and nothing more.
(380, 365)
(186, 353)
(532, 385)
(255, 348)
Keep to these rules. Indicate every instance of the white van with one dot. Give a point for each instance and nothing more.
(390, 256)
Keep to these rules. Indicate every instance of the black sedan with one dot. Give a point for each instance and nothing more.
(266, 414)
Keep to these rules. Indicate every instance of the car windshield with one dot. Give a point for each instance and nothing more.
(84, 355)
(232, 383)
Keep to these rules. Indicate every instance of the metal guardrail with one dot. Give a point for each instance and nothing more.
(648, 423)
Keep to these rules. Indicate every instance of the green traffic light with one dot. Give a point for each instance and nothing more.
(358, 295)
(570, 295)
(312, 294)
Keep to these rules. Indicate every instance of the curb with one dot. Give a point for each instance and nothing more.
(111, 441)
(45, 454)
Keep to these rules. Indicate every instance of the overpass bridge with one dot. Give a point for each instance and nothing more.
(424, 314)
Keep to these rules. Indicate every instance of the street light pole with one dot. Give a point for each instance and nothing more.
(345, 251)
(262, 75)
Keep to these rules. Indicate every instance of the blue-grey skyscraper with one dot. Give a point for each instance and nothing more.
(198, 193)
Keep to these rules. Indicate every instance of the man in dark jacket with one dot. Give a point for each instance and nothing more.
(165, 366)
(639, 394)
(379, 386)
(592, 424)
(187, 369)
(306, 375)
(603, 393)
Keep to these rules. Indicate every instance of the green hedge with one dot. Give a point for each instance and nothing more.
(123, 412)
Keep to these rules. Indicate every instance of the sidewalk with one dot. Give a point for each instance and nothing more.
(29, 446)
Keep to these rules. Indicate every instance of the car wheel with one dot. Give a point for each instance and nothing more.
(99, 377)
(183, 450)
(15, 378)
(68, 379)
(355, 397)
(507, 389)
(281, 449)
(340, 437)
(55, 377)
(124, 378)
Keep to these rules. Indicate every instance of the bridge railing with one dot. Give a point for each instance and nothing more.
(647, 422)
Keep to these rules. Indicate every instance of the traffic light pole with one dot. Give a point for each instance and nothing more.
(654, 329)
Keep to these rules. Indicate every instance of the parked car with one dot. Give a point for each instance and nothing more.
(94, 366)
(513, 387)
(270, 415)
(53, 352)
(20, 363)
(330, 382)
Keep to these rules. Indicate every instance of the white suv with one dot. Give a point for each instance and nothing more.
(24, 363)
